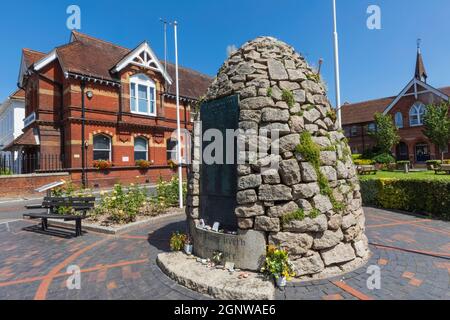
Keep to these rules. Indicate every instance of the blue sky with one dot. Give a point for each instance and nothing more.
(374, 63)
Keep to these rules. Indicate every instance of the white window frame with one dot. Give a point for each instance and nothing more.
(414, 112)
(399, 120)
(110, 146)
(143, 80)
(146, 148)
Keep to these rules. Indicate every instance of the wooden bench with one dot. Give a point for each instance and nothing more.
(52, 204)
(363, 170)
(443, 168)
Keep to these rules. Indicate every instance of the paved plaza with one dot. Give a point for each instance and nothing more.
(413, 254)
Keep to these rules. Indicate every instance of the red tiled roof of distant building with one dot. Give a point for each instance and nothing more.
(364, 111)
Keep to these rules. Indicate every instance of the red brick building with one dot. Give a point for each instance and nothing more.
(128, 98)
(407, 109)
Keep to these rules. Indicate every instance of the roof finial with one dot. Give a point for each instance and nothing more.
(421, 73)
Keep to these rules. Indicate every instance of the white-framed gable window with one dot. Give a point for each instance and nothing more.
(399, 120)
(416, 114)
(142, 95)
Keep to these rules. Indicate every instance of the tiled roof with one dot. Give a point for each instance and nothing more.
(90, 56)
(18, 94)
(93, 57)
(31, 56)
(364, 111)
(192, 83)
(25, 139)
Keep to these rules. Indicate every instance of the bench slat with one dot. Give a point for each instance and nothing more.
(52, 216)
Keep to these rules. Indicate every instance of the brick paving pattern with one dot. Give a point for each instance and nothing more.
(413, 254)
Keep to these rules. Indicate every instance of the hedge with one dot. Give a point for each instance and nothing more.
(421, 196)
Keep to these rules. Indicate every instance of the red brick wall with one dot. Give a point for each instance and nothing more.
(12, 186)
(125, 176)
(23, 185)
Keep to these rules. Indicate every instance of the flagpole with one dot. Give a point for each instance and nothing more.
(336, 67)
(180, 167)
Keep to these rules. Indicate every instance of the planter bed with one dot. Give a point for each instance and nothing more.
(90, 225)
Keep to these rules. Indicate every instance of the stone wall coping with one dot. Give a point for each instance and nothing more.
(33, 175)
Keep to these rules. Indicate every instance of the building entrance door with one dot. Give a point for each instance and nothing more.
(402, 152)
(422, 153)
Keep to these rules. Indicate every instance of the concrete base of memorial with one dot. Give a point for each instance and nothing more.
(246, 249)
(217, 283)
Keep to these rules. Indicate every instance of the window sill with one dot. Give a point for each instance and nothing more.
(150, 115)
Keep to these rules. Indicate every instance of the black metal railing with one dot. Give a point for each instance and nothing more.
(24, 163)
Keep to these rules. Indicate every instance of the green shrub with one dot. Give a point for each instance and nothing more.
(384, 158)
(412, 195)
(122, 206)
(167, 193)
(356, 156)
(5, 172)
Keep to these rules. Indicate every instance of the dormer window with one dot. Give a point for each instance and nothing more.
(142, 95)
(416, 114)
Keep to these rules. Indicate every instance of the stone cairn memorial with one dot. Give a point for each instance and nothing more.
(311, 205)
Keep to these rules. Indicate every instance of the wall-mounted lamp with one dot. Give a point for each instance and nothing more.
(89, 94)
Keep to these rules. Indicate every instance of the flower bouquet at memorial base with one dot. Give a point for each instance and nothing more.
(278, 266)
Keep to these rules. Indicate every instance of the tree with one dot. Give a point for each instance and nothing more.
(437, 126)
(386, 133)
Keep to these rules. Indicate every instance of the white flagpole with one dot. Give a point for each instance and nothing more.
(180, 167)
(336, 67)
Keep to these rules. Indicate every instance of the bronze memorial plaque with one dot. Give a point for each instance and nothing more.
(218, 183)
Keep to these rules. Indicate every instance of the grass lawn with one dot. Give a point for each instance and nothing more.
(422, 175)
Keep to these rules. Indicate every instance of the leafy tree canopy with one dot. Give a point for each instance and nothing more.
(437, 125)
(386, 134)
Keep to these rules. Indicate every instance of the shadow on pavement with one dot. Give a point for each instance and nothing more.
(160, 237)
